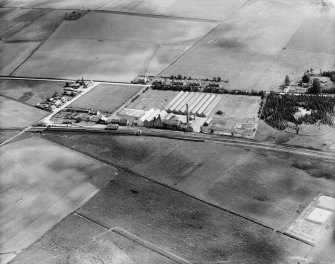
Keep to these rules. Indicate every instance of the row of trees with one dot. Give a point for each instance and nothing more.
(195, 87)
(279, 110)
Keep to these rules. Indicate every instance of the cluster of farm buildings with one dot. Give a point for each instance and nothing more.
(70, 90)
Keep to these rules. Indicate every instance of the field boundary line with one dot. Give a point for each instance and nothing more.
(121, 168)
(33, 52)
(182, 55)
(128, 235)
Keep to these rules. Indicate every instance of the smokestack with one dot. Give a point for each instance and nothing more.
(187, 113)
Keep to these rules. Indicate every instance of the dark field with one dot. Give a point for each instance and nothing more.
(7, 134)
(268, 187)
(29, 92)
(164, 220)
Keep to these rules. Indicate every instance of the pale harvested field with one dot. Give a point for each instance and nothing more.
(153, 99)
(92, 48)
(293, 63)
(40, 184)
(242, 48)
(106, 97)
(14, 114)
(29, 92)
(209, 9)
(312, 46)
(316, 34)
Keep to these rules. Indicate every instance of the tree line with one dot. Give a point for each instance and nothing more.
(280, 109)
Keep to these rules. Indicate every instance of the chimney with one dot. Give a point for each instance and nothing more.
(187, 113)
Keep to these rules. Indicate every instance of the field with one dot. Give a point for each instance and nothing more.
(312, 46)
(29, 92)
(7, 134)
(237, 111)
(153, 99)
(13, 54)
(61, 4)
(133, 45)
(242, 48)
(159, 220)
(22, 31)
(106, 97)
(318, 137)
(211, 9)
(40, 184)
(14, 114)
(232, 178)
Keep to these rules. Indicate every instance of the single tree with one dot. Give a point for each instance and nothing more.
(287, 80)
(180, 77)
(332, 77)
(316, 87)
(306, 78)
(219, 79)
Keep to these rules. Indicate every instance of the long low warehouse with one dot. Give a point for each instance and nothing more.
(199, 104)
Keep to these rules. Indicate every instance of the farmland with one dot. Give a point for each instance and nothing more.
(40, 184)
(106, 97)
(242, 48)
(218, 174)
(119, 53)
(163, 220)
(22, 31)
(14, 114)
(29, 92)
(153, 99)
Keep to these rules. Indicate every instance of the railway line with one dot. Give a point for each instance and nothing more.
(196, 137)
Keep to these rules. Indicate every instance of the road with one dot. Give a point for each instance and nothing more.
(197, 137)
(63, 80)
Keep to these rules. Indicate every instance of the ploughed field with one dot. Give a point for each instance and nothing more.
(40, 184)
(266, 186)
(106, 97)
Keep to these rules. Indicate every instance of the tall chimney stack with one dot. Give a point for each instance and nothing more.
(187, 113)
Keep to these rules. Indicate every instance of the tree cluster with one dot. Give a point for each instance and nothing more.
(279, 110)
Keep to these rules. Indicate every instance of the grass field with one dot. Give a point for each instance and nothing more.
(159, 218)
(61, 4)
(106, 97)
(262, 185)
(133, 45)
(153, 99)
(14, 114)
(22, 31)
(13, 54)
(40, 184)
(321, 137)
(237, 107)
(29, 92)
